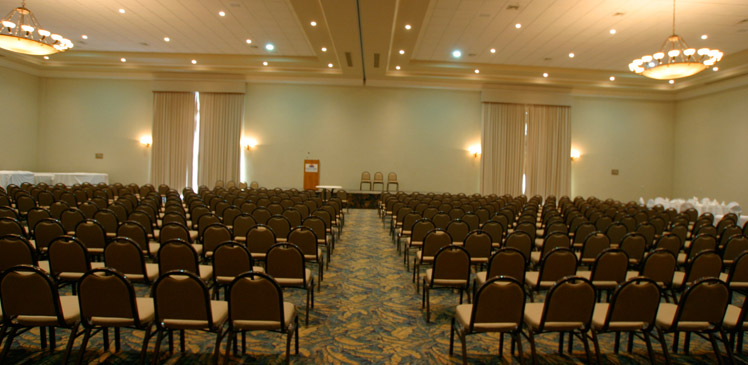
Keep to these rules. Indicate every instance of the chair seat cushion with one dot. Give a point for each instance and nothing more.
(289, 313)
(219, 311)
(444, 282)
(295, 281)
(732, 315)
(666, 317)
(600, 315)
(70, 313)
(534, 314)
(146, 315)
(464, 312)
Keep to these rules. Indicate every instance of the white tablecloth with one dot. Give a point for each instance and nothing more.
(8, 177)
(702, 206)
(71, 178)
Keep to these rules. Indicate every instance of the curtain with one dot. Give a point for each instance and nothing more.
(221, 118)
(503, 148)
(548, 150)
(173, 134)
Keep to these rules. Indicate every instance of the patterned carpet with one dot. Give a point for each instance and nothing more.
(367, 311)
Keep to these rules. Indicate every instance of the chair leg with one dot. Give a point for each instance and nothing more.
(69, 348)
(82, 351)
(296, 330)
(531, 337)
(231, 338)
(649, 346)
(159, 338)
(586, 344)
(144, 349)
(289, 337)
(518, 339)
(428, 302)
(182, 345)
(716, 348)
(116, 339)
(452, 337)
(617, 343)
(597, 346)
(52, 339)
(8, 343)
(43, 337)
(661, 334)
(728, 348)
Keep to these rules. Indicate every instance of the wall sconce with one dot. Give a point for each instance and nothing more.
(474, 150)
(146, 141)
(575, 154)
(249, 143)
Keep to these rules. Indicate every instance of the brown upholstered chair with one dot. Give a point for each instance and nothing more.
(306, 240)
(554, 266)
(285, 263)
(214, 235)
(69, 260)
(608, 270)
(230, 259)
(180, 255)
(365, 179)
(259, 239)
(125, 255)
(392, 180)
(256, 303)
(451, 269)
(378, 179)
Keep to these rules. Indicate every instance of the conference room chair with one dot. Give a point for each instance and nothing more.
(520, 241)
(377, 179)
(69, 261)
(648, 231)
(203, 222)
(241, 225)
(608, 271)
(286, 264)
(615, 232)
(9, 212)
(450, 270)
(392, 180)
(498, 306)
(214, 235)
(30, 298)
(17, 250)
(594, 244)
(306, 240)
(259, 239)
(119, 209)
(365, 179)
(319, 225)
(294, 216)
(632, 309)
(229, 214)
(548, 243)
(455, 212)
(182, 302)
(261, 214)
(280, 225)
(568, 307)
(107, 300)
(177, 254)
(635, 245)
(24, 203)
(701, 242)
(125, 255)
(554, 266)
(660, 266)
(701, 310)
(70, 218)
(93, 235)
(256, 304)
(433, 241)
(478, 245)
(108, 220)
(507, 262)
(230, 259)
(12, 226)
(706, 264)
(581, 233)
(89, 209)
(32, 217)
(458, 230)
(418, 231)
(670, 242)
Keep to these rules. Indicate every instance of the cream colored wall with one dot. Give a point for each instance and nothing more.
(635, 137)
(710, 147)
(18, 120)
(82, 117)
(421, 134)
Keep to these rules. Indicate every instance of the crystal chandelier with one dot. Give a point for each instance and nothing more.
(675, 59)
(21, 33)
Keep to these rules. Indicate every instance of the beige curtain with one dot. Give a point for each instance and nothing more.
(548, 150)
(502, 144)
(220, 134)
(173, 134)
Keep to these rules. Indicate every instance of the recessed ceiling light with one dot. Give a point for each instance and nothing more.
(329, 65)
(477, 71)
(121, 11)
(265, 63)
(407, 26)
(571, 55)
(518, 25)
(249, 41)
(221, 13)
(493, 50)
(397, 67)
(84, 36)
(167, 39)
(313, 23)
(671, 82)
(123, 59)
(46, 57)
(612, 78)
(269, 47)
(545, 74)
(715, 68)
(456, 53)
(612, 31)
(704, 36)
(194, 62)
(402, 51)
(324, 49)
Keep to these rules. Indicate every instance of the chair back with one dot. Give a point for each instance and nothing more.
(214, 235)
(478, 244)
(91, 233)
(495, 230)
(659, 266)
(67, 254)
(177, 255)
(520, 241)
(134, 231)
(108, 220)
(106, 297)
(293, 215)
(365, 176)
(28, 291)
(610, 266)
(555, 240)
(582, 231)
(420, 228)
(507, 262)
(305, 239)
(204, 221)
(231, 259)
(670, 242)
(261, 215)
(256, 297)
(500, 300)
(260, 238)
(173, 231)
(434, 241)
(451, 263)
(569, 305)
(706, 264)
(125, 255)
(635, 303)
(280, 225)
(705, 301)
(181, 301)
(45, 231)
(528, 228)
(33, 217)
(594, 244)
(557, 264)
(318, 225)
(616, 232)
(12, 226)
(241, 224)
(16, 250)
(285, 260)
(634, 244)
(702, 242)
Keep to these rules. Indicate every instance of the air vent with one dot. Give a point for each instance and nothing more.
(619, 13)
(743, 21)
(376, 60)
(513, 7)
(348, 59)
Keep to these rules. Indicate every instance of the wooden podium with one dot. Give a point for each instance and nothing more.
(311, 174)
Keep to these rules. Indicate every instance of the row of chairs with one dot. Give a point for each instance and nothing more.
(378, 179)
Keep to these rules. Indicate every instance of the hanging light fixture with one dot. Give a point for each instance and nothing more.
(21, 33)
(675, 59)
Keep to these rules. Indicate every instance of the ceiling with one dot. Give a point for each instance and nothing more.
(363, 40)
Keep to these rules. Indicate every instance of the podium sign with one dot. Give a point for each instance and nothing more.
(311, 174)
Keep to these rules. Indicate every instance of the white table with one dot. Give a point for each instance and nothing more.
(16, 177)
(328, 187)
(72, 178)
